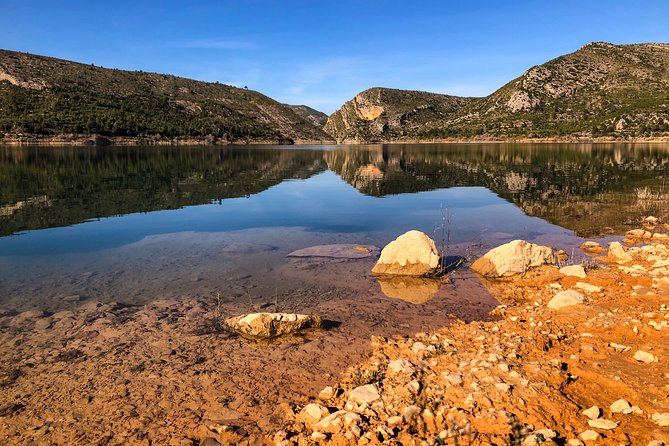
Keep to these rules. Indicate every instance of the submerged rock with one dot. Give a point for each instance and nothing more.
(337, 251)
(271, 325)
(411, 254)
(513, 258)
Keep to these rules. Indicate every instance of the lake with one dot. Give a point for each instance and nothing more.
(132, 224)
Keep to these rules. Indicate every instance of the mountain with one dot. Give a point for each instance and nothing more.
(46, 97)
(387, 114)
(314, 116)
(600, 90)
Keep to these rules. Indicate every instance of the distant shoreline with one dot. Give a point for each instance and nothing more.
(97, 140)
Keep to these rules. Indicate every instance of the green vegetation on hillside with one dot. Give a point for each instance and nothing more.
(49, 97)
(600, 90)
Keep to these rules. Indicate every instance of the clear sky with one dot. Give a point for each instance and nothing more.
(322, 53)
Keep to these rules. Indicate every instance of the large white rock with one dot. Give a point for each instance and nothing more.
(513, 258)
(412, 254)
(271, 325)
(565, 299)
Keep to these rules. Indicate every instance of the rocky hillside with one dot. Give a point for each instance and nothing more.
(386, 114)
(312, 115)
(48, 97)
(599, 90)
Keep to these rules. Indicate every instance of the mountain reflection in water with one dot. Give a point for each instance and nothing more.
(588, 188)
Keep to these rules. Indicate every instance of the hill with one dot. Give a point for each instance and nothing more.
(386, 114)
(314, 116)
(48, 97)
(599, 90)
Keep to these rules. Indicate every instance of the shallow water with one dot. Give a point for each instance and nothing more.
(134, 224)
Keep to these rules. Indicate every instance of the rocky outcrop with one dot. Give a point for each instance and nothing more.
(513, 258)
(380, 114)
(271, 325)
(411, 254)
(314, 116)
(599, 90)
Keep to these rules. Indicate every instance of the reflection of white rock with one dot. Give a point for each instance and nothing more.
(416, 290)
(412, 253)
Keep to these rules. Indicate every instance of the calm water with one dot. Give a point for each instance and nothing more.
(133, 224)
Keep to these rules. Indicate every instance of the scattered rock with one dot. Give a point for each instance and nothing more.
(593, 412)
(326, 394)
(573, 270)
(617, 251)
(661, 419)
(410, 413)
(644, 357)
(364, 394)
(312, 413)
(588, 288)
(602, 423)
(621, 406)
(331, 423)
(513, 258)
(412, 253)
(619, 347)
(565, 299)
(401, 366)
(589, 435)
(592, 247)
(271, 325)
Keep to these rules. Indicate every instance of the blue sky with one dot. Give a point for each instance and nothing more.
(323, 53)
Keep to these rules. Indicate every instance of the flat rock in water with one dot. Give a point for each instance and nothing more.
(411, 254)
(271, 325)
(513, 258)
(338, 251)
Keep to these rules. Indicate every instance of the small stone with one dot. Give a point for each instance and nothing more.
(619, 347)
(401, 366)
(565, 299)
(589, 288)
(574, 271)
(589, 435)
(593, 412)
(661, 419)
(455, 379)
(503, 387)
(602, 423)
(574, 442)
(410, 413)
(364, 394)
(326, 394)
(395, 420)
(621, 406)
(644, 357)
(616, 250)
(418, 347)
(209, 442)
(332, 423)
(312, 413)
(351, 418)
(318, 436)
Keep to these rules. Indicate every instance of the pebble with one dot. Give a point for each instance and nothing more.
(410, 413)
(573, 270)
(619, 347)
(364, 394)
(661, 419)
(593, 412)
(602, 423)
(644, 357)
(621, 406)
(587, 287)
(589, 435)
(565, 299)
(454, 379)
(326, 394)
(401, 366)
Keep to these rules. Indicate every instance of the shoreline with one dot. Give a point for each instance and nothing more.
(98, 141)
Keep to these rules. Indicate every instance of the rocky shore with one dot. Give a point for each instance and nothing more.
(550, 369)
(575, 354)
